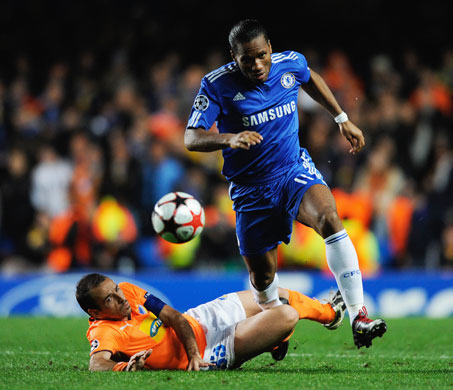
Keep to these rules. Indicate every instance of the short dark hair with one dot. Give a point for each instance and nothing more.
(83, 290)
(245, 31)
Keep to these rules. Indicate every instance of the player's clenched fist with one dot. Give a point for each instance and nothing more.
(245, 140)
(137, 361)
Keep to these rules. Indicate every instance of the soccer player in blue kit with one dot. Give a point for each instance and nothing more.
(273, 181)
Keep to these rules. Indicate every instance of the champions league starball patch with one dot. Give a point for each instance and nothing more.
(201, 103)
(288, 80)
(94, 345)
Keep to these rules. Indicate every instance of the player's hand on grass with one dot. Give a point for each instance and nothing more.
(354, 135)
(196, 362)
(245, 140)
(137, 361)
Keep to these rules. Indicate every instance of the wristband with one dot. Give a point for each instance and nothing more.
(121, 366)
(341, 118)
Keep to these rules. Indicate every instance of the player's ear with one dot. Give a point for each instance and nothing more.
(232, 55)
(270, 46)
(95, 313)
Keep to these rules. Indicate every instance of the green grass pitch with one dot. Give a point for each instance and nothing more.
(415, 353)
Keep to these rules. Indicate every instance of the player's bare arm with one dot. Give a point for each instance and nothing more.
(200, 140)
(101, 361)
(181, 326)
(321, 93)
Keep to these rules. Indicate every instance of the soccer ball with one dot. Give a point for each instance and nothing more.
(178, 217)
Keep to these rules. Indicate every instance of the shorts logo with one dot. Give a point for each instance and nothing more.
(201, 103)
(94, 345)
(218, 357)
(288, 80)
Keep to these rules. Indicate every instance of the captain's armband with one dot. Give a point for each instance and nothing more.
(153, 304)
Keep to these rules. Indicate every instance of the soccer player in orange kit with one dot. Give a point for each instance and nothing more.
(130, 329)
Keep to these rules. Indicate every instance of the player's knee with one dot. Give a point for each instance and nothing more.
(328, 221)
(288, 316)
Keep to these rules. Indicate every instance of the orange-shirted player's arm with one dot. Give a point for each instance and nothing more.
(181, 326)
(101, 361)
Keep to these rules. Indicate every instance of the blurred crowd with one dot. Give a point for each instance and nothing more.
(88, 147)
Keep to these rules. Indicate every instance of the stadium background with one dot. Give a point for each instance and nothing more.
(93, 103)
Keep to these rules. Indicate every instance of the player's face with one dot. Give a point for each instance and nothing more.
(254, 59)
(111, 301)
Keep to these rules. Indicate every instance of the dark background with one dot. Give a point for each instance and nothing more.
(48, 31)
(142, 58)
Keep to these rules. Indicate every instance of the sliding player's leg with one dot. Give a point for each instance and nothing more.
(330, 314)
(306, 307)
(263, 332)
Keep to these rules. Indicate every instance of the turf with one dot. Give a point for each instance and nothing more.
(416, 353)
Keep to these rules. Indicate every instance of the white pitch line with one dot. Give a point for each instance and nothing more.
(42, 353)
(344, 356)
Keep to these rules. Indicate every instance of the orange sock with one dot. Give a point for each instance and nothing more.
(311, 309)
(285, 339)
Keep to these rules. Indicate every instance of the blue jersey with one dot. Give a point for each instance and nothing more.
(235, 104)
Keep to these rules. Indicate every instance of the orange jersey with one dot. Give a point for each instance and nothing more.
(143, 331)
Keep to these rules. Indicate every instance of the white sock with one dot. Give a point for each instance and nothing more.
(269, 297)
(343, 262)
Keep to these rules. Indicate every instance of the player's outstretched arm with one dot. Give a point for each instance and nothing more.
(200, 140)
(318, 90)
(101, 361)
(181, 326)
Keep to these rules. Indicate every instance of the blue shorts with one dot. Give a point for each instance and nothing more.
(265, 212)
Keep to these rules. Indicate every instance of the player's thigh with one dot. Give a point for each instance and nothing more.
(318, 210)
(261, 231)
(263, 331)
(249, 304)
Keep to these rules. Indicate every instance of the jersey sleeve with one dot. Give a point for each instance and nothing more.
(142, 297)
(206, 107)
(303, 71)
(104, 338)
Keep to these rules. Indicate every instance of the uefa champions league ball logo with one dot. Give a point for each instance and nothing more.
(201, 103)
(288, 80)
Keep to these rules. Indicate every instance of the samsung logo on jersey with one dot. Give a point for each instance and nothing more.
(269, 115)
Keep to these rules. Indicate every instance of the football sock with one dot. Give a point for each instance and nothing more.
(343, 262)
(269, 297)
(311, 309)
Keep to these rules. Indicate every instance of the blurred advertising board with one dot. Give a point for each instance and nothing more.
(390, 294)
